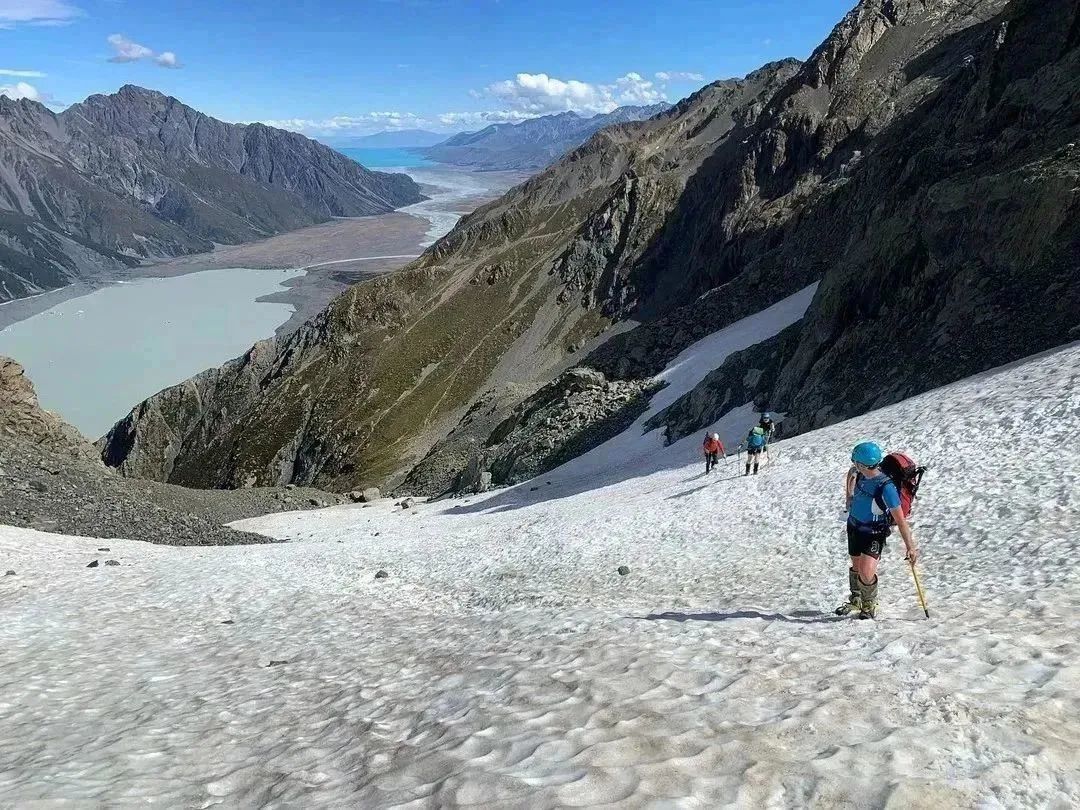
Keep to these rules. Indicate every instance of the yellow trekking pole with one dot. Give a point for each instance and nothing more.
(918, 589)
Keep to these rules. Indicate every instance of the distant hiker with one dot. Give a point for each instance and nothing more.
(873, 505)
(769, 426)
(713, 449)
(756, 442)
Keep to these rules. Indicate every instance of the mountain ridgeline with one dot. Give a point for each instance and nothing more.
(922, 167)
(138, 175)
(533, 144)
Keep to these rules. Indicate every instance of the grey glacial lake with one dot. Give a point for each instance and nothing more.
(94, 357)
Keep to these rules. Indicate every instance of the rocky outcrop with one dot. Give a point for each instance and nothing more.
(22, 418)
(571, 415)
(138, 175)
(745, 377)
(187, 415)
(52, 480)
(533, 144)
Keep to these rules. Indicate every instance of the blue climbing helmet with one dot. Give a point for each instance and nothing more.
(869, 454)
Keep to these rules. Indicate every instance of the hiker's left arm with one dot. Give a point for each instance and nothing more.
(905, 532)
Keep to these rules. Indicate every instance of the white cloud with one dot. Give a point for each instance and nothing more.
(679, 76)
(36, 12)
(22, 74)
(527, 96)
(167, 59)
(470, 120)
(541, 94)
(367, 123)
(350, 124)
(126, 50)
(20, 90)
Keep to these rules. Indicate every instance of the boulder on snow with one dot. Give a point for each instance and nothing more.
(381, 575)
(623, 570)
(94, 564)
(408, 503)
(368, 495)
(9, 573)
(483, 482)
(112, 562)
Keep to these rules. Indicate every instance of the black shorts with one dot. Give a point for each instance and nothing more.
(754, 451)
(861, 541)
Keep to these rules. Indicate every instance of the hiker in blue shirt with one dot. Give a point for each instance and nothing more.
(756, 442)
(873, 504)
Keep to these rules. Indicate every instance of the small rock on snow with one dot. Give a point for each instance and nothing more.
(94, 564)
(112, 562)
(381, 575)
(623, 570)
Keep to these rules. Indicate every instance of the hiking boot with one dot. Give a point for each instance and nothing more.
(868, 595)
(854, 602)
(854, 605)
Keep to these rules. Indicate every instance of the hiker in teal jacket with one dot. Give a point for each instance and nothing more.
(873, 503)
(756, 443)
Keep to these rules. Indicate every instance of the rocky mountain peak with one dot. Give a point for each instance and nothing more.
(138, 174)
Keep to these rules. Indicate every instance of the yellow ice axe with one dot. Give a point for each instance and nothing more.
(918, 589)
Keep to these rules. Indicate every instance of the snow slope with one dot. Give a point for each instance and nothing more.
(505, 663)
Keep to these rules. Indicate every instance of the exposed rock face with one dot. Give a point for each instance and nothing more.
(137, 175)
(533, 144)
(574, 413)
(21, 417)
(742, 379)
(52, 480)
(921, 166)
(963, 231)
(484, 319)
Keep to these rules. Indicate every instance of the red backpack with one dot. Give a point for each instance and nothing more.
(906, 475)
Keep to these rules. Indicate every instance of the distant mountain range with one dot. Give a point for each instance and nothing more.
(390, 139)
(138, 175)
(532, 144)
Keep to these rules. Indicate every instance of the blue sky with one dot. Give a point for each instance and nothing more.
(332, 67)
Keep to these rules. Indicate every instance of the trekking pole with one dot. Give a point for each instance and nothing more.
(918, 589)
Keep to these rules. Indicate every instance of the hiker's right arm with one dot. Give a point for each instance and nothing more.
(849, 488)
(905, 532)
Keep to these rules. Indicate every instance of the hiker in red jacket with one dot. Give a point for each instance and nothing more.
(713, 449)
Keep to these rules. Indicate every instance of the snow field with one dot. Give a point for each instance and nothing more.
(505, 663)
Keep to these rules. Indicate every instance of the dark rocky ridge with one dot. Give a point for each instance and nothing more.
(920, 165)
(51, 479)
(138, 175)
(964, 232)
(531, 145)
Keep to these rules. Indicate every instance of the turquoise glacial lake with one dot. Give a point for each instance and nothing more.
(95, 357)
(385, 158)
